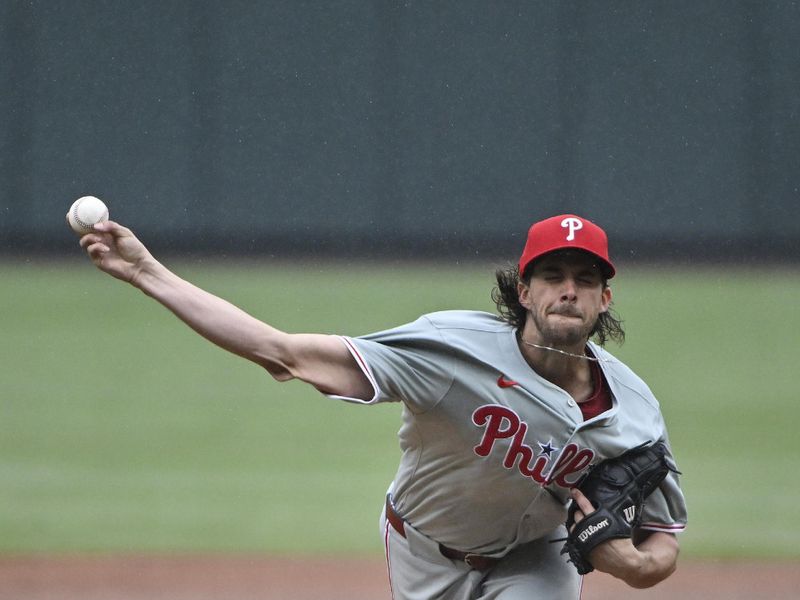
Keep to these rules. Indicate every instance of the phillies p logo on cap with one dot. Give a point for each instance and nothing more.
(573, 224)
(566, 231)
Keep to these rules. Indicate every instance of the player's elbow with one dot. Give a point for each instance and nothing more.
(278, 370)
(275, 362)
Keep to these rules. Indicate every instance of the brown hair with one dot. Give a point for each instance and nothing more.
(506, 298)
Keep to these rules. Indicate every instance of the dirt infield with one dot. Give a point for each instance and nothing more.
(262, 578)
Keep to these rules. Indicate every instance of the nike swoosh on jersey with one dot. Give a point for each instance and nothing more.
(505, 383)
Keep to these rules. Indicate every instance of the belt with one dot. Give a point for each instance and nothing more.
(474, 561)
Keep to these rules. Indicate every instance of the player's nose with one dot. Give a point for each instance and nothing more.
(569, 291)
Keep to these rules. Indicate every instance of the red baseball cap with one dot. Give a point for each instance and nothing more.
(562, 232)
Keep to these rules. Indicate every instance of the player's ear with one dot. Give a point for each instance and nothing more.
(524, 293)
(605, 299)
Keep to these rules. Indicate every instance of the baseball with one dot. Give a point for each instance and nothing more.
(85, 212)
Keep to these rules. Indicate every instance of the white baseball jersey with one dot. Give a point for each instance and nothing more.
(489, 448)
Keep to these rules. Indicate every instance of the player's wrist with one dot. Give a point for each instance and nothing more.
(146, 274)
(617, 557)
(644, 573)
(641, 569)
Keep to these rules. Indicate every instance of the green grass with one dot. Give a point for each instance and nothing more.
(720, 348)
(121, 430)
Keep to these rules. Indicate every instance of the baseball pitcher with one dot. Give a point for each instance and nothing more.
(530, 455)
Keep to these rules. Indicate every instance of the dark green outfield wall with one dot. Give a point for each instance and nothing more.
(358, 127)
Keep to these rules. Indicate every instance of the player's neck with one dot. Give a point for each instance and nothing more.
(565, 367)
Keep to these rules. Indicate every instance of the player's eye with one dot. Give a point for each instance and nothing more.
(587, 278)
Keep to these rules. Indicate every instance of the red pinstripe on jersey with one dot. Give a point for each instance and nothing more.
(673, 528)
(388, 564)
(362, 364)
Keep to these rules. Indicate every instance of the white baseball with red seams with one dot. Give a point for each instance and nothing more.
(85, 212)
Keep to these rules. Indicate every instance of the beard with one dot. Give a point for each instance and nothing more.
(562, 333)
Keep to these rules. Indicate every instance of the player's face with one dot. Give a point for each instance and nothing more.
(565, 296)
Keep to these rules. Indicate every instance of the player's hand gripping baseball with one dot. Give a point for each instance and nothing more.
(640, 566)
(116, 251)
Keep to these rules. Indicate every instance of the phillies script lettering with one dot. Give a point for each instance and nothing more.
(502, 423)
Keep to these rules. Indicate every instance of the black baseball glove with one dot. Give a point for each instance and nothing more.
(617, 488)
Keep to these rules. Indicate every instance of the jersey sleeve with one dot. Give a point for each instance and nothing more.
(411, 364)
(665, 509)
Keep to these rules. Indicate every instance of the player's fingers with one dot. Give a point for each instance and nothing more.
(97, 249)
(578, 517)
(89, 239)
(582, 501)
(113, 228)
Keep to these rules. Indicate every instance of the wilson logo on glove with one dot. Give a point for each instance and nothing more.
(629, 514)
(592, 529)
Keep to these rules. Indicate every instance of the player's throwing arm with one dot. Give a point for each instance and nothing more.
(320, 360)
